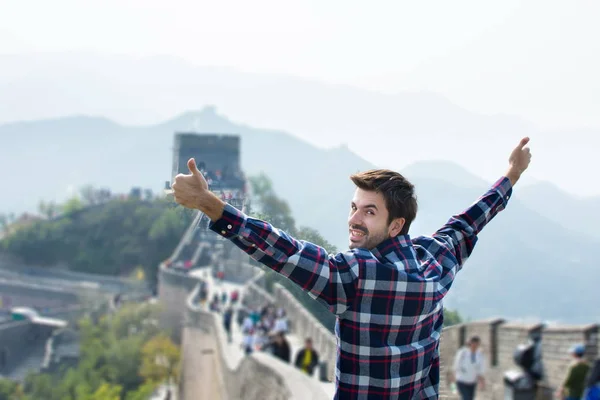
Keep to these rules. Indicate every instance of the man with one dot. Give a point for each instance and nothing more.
(387, 290)
(469, 368)
(307, 358)
(280, 347)
(575, 383)
(227, 319)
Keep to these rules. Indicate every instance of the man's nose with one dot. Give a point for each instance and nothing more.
(354, 219)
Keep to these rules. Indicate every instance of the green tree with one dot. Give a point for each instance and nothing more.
(112, 238)
(89, 195)
(451, 317)
(10, 390)
(3, 223)
(48, 209)
(42, 386)
(112, 352)
(160, 360)
(276, 211)
(143, 392)
(106, 392)
(270, 207)
(312, 235)
(72, 205)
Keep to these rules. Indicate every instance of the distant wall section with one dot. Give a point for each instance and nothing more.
(500, 338)
(21, 294)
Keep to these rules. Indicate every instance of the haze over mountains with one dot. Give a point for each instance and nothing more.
(525, 264)
(388, 130)
(537, 259)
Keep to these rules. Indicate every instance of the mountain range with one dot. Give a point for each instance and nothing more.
(535, 260)
(389, 130)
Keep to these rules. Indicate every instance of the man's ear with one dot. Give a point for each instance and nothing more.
(396, 226)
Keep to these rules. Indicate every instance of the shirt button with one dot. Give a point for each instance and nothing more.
(223, 232)
(228, 226)
(253, 245)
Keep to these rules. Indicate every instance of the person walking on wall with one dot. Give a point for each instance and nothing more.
(469, 369)
(574, 384)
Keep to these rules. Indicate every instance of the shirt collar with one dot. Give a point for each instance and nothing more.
(392, 248)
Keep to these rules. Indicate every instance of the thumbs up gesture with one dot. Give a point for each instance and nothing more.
(190, 189)
(520, 156)
(518, 160)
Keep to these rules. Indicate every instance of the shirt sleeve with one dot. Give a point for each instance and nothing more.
(457, 360)
(459, 235)
(330, 279)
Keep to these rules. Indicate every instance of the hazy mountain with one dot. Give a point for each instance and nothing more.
(389, 130)
(579, 213)
(524, 265)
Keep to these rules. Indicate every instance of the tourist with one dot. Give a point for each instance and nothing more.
(307, 358)
(575, 381)
(468, 368)
(387, 290)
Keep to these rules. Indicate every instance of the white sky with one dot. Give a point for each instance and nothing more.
(537, 59)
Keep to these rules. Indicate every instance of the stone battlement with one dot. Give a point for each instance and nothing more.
(500, 338)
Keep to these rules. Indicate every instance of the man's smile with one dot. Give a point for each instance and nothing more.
(357, 233)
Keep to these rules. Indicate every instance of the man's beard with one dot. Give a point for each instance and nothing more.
(372, 239)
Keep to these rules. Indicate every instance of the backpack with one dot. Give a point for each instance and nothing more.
(592, 393)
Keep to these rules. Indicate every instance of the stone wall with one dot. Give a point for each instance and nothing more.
(305, 325)
(556, 343)
(234, 263)
(301, 322)
(18, 339)
(255, 295)
(173, 290)
(58, 276)
(22, 294)
(500, 339)
(258, 376)
(237, 272)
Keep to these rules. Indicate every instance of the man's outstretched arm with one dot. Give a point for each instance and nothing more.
(459, 235)
(330, 279)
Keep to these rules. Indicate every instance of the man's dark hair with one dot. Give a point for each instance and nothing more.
(475, 339)
(398, 192)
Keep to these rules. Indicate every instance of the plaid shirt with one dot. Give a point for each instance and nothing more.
(388, 301)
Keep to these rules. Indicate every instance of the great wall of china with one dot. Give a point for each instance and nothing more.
(260, 376)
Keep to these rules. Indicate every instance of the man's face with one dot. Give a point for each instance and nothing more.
(474, 346)
(368, 220)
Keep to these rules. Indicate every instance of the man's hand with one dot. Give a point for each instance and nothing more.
(560, 392)
(518, 161)
(451, 377)
(189, 189)
(481, 380)
(192, 191)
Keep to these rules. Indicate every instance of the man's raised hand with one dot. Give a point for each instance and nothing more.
(190, 189)
(519, 160)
